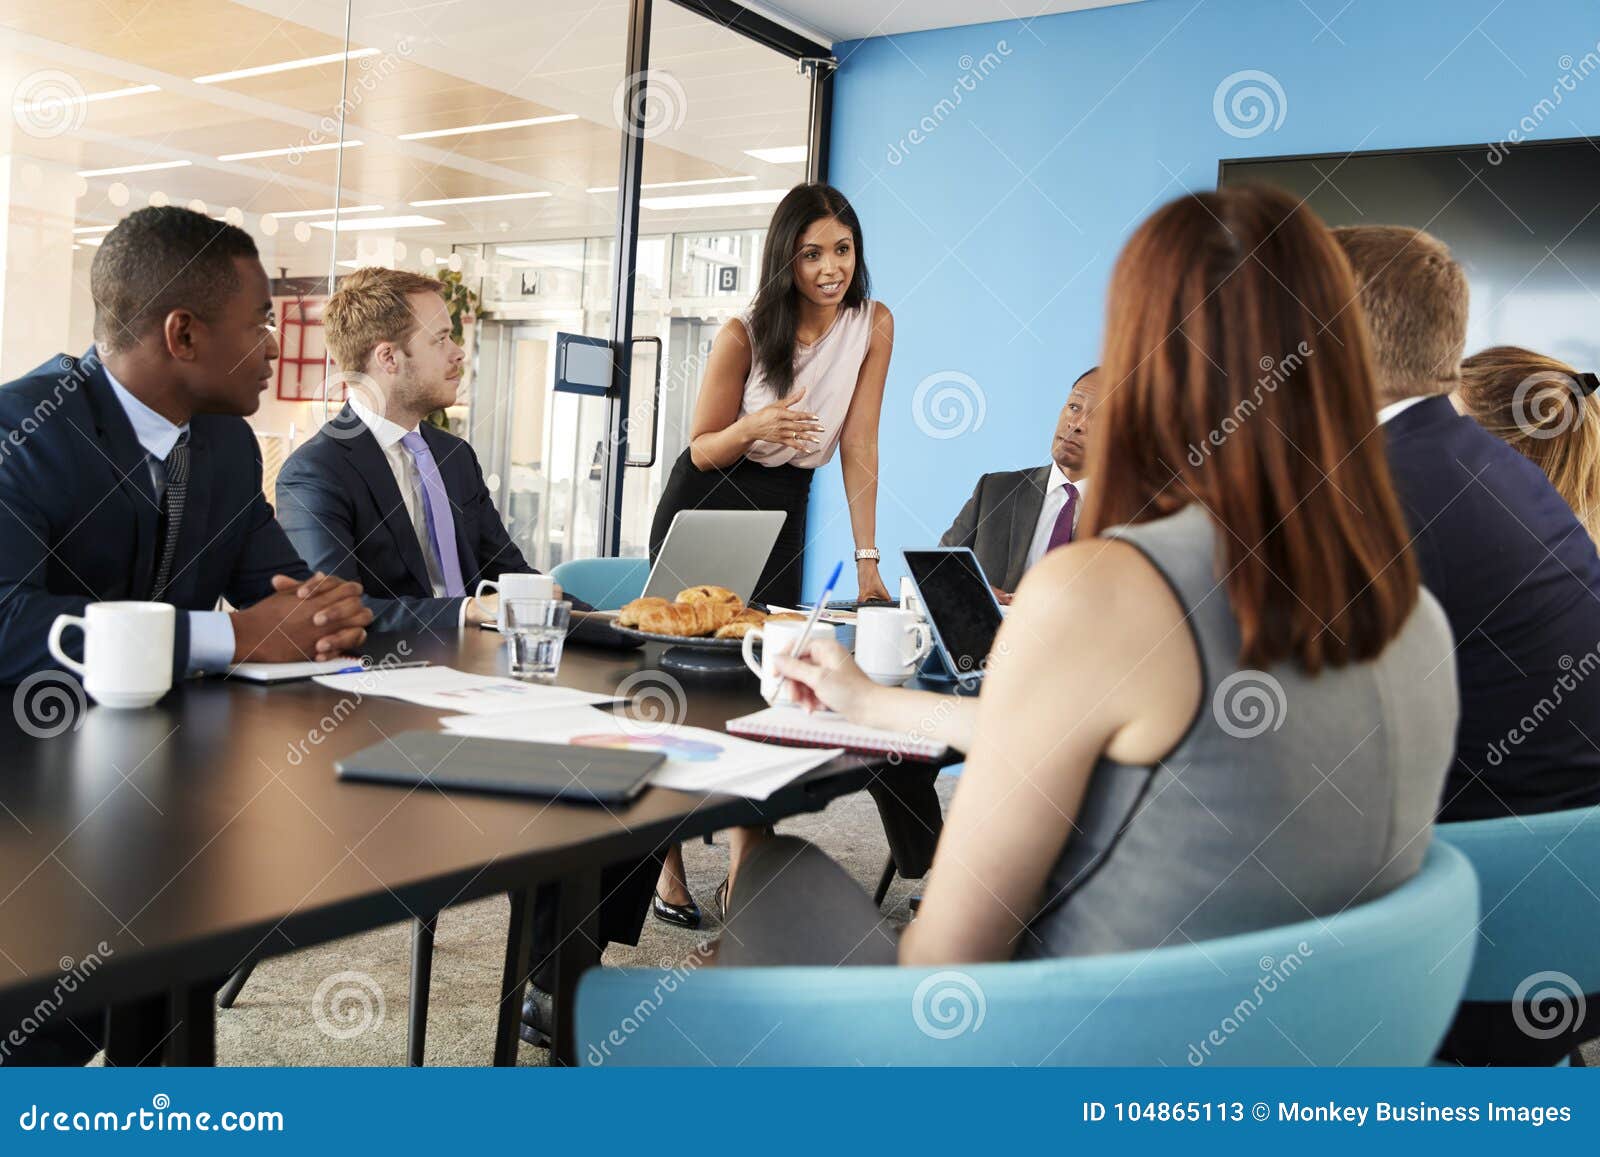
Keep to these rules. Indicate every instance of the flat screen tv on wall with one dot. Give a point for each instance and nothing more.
(1524, 221)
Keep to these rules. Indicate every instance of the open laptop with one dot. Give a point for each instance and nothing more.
(725, 548)
(962, 611)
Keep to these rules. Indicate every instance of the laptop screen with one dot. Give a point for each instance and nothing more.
(960, 605)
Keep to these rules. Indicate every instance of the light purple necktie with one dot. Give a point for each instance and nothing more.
(1061, 533)
(436, 505)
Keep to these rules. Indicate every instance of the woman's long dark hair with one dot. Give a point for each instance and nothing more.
(775, 312)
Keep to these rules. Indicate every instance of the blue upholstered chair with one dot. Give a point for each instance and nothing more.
(1374, 985)
(1538, 944)
(604, 583)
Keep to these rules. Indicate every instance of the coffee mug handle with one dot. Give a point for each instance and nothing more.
(924, 638)
(54, 642)
(482, 583)
(747, 651)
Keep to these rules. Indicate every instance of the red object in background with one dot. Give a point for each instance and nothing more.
(302, 313)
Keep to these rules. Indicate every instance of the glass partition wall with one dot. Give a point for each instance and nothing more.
(506, 148)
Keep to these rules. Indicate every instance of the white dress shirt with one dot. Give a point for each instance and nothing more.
(1393, 408)
(1055, 497)
(409, 480)
(211, 640)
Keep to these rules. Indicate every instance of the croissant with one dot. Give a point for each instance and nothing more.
(628, 616)
(737, 629)
(711, 594)
(688, 620)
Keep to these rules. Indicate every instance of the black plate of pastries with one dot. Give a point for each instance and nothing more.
(705, 618)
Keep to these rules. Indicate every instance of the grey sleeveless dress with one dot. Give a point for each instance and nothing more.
(1289, 796)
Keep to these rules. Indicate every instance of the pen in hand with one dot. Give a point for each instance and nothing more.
(811, 621)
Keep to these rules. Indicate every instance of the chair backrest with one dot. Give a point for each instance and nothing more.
(1374, 985)
(1540, 879)
(604, 583)
(275, 451)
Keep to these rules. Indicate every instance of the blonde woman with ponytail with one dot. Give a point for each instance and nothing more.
(1545, 409)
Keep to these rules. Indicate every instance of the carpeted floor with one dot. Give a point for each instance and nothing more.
(345, 1003)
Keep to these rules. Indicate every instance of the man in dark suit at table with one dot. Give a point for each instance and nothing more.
(1513, 568)
(1015, 516)
(379, 494)
(130, 474)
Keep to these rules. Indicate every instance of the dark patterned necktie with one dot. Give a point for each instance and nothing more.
(172, 501)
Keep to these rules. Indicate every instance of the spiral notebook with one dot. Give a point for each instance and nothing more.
(797, 728)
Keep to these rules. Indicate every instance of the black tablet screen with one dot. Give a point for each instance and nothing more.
(960, 605)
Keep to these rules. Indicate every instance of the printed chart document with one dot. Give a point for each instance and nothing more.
(451, 690)
(697, 760)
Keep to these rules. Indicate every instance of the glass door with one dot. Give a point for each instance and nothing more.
(727, 125)
(542, 451)
(474, 155)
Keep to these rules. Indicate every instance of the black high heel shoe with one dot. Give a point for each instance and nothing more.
(681, 915)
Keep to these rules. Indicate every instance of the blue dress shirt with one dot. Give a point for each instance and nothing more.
(211, 641)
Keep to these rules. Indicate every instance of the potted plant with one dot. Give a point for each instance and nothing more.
(462, 301)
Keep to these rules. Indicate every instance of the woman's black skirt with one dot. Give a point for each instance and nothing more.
(745, 485)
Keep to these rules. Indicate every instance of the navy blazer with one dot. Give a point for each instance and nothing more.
(338, 500)
(78, 513)
(1519, 578)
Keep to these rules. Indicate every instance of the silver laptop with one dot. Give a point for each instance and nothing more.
(725, 548)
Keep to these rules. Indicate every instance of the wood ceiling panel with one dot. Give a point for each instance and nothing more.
(466, 62)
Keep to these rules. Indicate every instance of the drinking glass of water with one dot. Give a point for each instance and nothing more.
(537, 629)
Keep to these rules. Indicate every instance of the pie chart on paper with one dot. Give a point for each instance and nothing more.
(672, 746)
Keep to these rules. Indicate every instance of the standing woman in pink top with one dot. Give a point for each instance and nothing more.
(797, 376)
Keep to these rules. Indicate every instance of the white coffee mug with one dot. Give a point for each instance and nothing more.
(517, 586)
(890, 642)
(777, 639)
(127, 651)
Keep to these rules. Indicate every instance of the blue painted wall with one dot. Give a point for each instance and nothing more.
(992, 219)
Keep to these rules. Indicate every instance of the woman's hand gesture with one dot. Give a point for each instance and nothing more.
(780, 422)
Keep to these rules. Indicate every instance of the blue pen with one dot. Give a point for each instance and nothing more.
(811, 621)
(362, 668)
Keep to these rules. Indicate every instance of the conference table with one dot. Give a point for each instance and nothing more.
(147, 855)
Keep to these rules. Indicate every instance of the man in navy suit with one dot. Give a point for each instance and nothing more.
(1499, 548)
(129, 473)
(1516, 573)
(382, 496)
(378, 494)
